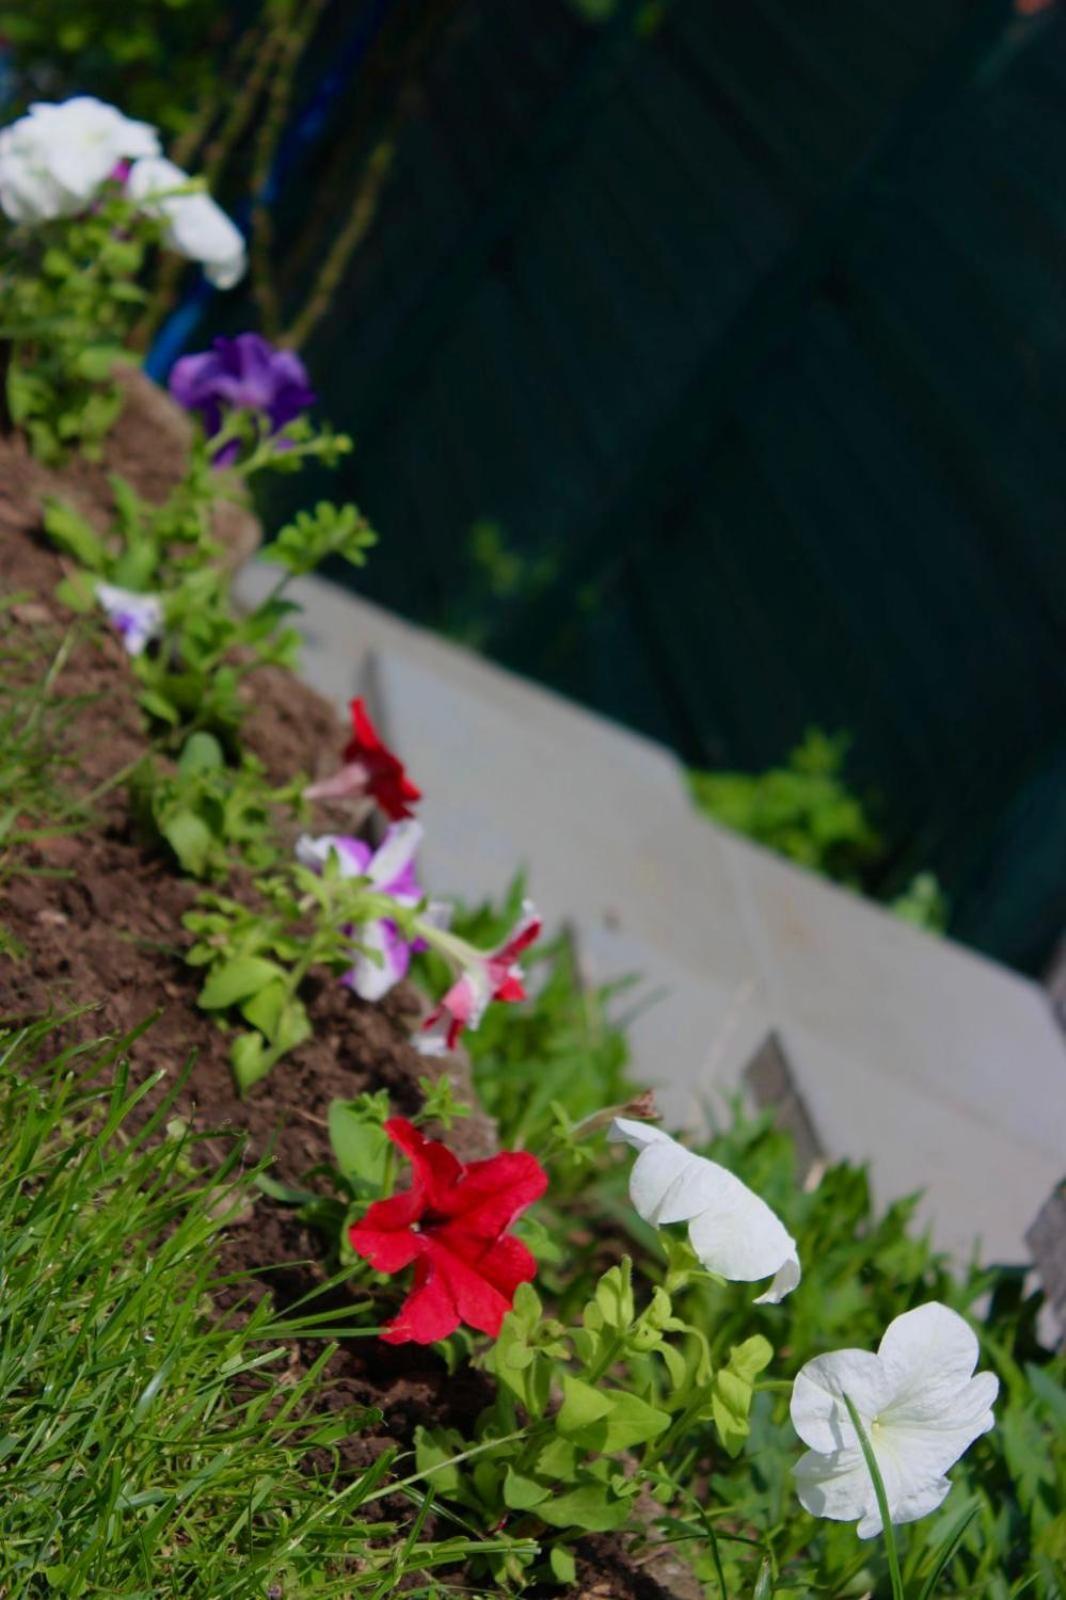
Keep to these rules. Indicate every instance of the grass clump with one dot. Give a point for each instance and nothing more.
(148, 1445)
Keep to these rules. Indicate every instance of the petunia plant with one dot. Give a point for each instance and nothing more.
(208, 814)
(90, 197)
(339, 905)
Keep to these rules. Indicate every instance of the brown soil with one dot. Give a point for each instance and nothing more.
(99, 921)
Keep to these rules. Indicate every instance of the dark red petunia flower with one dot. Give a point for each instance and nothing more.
(369, 768)
(452, 1224)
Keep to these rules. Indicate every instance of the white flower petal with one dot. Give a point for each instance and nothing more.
(835, 1485)
(907, 1507)
(432, 1042)
(819, 1414)
(372, 979)
(786, 1278)
(396, 853)
(929, 1354)
(315, 851)
(637, 1134)
(731, 1229)
(739, 1236)
(137, 618)
(195, 226)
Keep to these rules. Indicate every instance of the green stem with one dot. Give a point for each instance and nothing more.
(882, 1500)
(448, 944)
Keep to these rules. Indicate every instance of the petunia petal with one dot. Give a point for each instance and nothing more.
(492, 1193)
(785, 1280)
(430, 1311)
(819, 1414)
(436, 1169)
(506, 1264)
(906, 1506)
(395, 854)
(835, 1485)
(372, 979)
(387, 1250)
(479, 1302)
(350, 780)
(353, 855)
(929, 1354)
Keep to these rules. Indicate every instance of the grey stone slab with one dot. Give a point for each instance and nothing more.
(917, 1010)
(981, 1188)
(691, 1035)
(1046, 1238)
(773, 1086)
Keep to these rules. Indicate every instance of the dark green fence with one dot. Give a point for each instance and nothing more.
(746, 323)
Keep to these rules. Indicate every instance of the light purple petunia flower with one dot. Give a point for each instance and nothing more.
(391, 870)
(136, 618)
(246, 374)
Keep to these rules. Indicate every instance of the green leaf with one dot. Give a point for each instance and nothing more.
(624, 1421)
(589, 1507)
(74, 535)
(96, 362)
(562, 1563)
(360, 1144)
(730, 1404)
(158, 706)
(557, 1459)
(293, 1027)
(190, 839)
(522, 1493)
(434, 1447)
(747, 1360)
(582, 1405)
(264, 1009)
(236, 980)
(614, 1296)
(201, 753)
(526, 1307)
(77, 592)
(249, 1059)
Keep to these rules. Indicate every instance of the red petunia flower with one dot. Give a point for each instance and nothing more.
(369, 768)
(452, 1223)
(485, 977)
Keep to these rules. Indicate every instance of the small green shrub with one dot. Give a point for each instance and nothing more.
(804, 810)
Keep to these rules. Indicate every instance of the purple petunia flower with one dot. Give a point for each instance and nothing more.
(390, 869)
(245, 374)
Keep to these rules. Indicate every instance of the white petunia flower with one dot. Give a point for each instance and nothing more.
(54, 160)
(195, 226)
(734, 1233)
(920, 1407)
(136, 618)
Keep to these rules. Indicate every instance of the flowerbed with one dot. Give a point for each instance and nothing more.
(572, 1344)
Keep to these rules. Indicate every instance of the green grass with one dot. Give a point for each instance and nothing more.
(148, 1447)
(37, 792)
